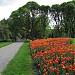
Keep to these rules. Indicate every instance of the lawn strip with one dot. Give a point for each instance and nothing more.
(73, 41)
(2, 44)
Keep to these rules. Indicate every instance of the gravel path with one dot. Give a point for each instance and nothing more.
(7, 53)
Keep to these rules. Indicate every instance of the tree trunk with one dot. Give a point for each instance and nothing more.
(33, 27)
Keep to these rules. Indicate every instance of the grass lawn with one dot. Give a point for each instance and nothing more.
(2, 44)
(73, 40)
(21, 63)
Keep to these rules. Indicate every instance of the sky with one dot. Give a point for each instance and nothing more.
(7, 6)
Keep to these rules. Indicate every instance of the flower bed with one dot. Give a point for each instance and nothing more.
(53, 56)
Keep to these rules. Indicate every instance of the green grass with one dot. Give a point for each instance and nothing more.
(2, 44)
(73, 41)
(21, 63)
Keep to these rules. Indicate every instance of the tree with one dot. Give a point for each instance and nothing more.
(44, 12)
(4, 30)
(17, 21)
(68, 10)
(32, 20)
(33, 8)
(56, 14)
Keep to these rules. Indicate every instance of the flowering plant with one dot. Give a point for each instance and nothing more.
(53, 56)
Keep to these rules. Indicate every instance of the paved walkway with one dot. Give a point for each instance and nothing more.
(7, 53)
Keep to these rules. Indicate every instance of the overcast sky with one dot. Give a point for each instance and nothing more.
(7, 6)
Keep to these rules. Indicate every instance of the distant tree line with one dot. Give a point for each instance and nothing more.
(64, 17)
(32, 21)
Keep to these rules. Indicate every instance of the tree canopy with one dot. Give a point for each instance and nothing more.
(32, 21)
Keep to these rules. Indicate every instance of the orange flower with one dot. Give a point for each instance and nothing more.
(44, 70)
(38, 64)
(67, 67)
(53, 51)
(52, 69)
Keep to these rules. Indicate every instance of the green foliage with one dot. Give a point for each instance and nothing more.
(32, 17)
(64, 17)
(48, 31)
(4, 30)
(73, 40)
(55, 7)
(2, 44)
(70, 42)
(31, 21)
(31, 5)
